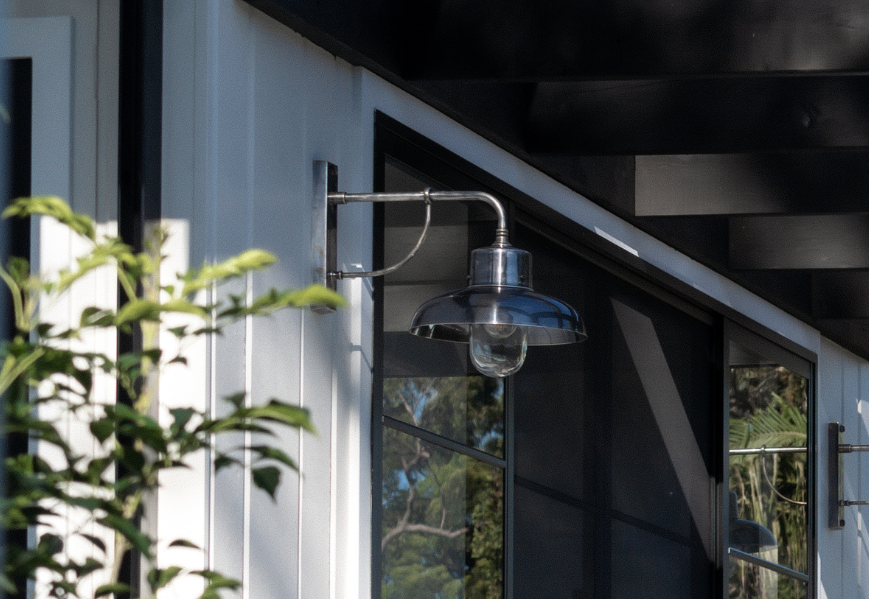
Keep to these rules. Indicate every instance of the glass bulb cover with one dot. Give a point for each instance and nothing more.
(498, 350)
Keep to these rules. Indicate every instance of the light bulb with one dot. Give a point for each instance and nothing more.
(498, 350)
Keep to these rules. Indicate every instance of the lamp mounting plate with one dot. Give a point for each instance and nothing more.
(836, 482)
(324, 226)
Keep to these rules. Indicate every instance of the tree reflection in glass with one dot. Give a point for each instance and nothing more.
(769, 408)
(442, 512)
(467, 409)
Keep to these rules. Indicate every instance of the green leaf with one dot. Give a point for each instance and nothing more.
(285, 413)
(50, 544)
(234, 267)
(267, 478)
(135, 536)
(181, 417)
(217, 580)
(102, 429)
(223, 460)
(236, 399)
(184, 307)
(183, 543)
(89, 566)
(96, 541)
(160, 577)
(273, 453)
(137, 310)
(96, 317)
(7, 585)
(314, 295)
(55, 207)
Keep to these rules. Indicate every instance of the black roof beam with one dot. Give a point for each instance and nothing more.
(840, 294)
(799, 242)
(589, 39)
(820, 182)
(583, 39)
(700, 116)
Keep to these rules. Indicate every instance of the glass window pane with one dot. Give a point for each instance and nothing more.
(755, 582)
(552, 559)
(554, 396)
(661, 446)
(467, 409)
(442, 522)
(650, 566)
(768, 473)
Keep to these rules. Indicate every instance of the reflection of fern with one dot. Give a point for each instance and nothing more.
(768, 409)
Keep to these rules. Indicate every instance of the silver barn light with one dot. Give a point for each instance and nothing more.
(499, 315)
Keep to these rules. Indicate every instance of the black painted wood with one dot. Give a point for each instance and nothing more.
(139, 171)
(696, 116)
(840, 295)
(799, 242)
(563, 39)
(770, 183)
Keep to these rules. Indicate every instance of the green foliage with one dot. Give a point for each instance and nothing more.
(443, 512)
(45, 371)
(768, 408)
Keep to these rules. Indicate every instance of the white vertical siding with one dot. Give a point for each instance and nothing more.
(72, 91)
(843, 396)
(92, 74)
(248, 105)
(862, 574)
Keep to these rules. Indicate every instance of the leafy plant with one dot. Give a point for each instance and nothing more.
(768, 408)
(47, 374)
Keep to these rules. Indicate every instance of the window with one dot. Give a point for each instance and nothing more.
(443, 460)
(595, 472)
(769, 502)
(614, 444)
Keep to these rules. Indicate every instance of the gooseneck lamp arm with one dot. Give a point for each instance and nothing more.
(427, 196)
(499, 315)
(327, 198)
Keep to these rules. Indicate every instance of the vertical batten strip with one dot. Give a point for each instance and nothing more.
(211, 395)
(301, 463)
(250, 163)
(248, 437)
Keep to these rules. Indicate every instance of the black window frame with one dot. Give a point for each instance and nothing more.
(395, 139)
(804, 362)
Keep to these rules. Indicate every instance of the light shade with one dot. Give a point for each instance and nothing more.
(499, 293)
(746, 535)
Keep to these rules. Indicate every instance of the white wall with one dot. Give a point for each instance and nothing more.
(73, 49)
(92, 143)
(248, 105)
(843, 396)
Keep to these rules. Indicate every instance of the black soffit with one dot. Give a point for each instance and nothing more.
(736, 132)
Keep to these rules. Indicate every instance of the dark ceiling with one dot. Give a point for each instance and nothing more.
(736, 131)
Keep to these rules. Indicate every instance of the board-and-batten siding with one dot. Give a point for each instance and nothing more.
(843, 396)
(248, 105)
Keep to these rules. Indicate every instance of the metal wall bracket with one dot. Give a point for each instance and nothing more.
(324, 229)
(324, 224)
(836, 474)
